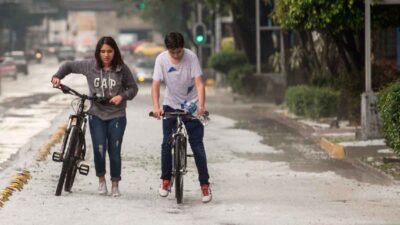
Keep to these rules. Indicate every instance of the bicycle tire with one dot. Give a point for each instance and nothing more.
(70, 178)
(67, 161)
(179, 158)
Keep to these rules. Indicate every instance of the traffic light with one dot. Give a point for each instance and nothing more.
(140, 5)
(200, 34)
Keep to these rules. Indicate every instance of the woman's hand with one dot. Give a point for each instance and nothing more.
(56, 82)
(116, 100)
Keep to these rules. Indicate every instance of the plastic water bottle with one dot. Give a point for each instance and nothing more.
(204, 120)
(190, 107)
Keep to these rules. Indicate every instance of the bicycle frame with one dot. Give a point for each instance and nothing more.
(73, 149)
(180, 130)
(78, 120)
(179, 145)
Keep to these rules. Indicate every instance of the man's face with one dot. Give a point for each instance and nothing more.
(176, 53)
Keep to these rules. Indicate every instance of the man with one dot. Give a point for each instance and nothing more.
(180, 70)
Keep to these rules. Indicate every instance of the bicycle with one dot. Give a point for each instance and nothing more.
(179, 145)
(73, 148)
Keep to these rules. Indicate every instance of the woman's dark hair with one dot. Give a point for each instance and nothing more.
(174, 40)
(117, 59)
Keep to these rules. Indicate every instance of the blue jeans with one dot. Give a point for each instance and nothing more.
(107, 135)
(195, 130)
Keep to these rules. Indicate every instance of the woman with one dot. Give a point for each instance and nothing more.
(107, 76)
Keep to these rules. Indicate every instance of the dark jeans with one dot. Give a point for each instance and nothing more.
(107, 135)
(195, 130)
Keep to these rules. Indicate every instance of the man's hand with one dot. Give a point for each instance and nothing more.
(200, 111)
(116, 100)
(157, 112)
(56, 82)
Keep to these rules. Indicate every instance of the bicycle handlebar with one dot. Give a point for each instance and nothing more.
(176, 114)
(67, 90)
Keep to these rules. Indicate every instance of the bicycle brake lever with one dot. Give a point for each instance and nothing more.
(64, 89)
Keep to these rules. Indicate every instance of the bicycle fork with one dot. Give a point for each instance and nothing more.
(79, 152)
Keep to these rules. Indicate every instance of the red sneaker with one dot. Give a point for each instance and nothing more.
(206, 193)
(163, 191)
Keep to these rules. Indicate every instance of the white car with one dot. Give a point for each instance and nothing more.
(144, 69)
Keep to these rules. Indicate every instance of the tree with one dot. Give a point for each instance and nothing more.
(336, 20)
(180, 15)
(166, 16)
(340, 22)
(330, 18)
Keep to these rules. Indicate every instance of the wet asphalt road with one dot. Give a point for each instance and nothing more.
(299, 148)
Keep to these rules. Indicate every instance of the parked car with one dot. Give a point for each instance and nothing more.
(20, 59)
(66, 53)
(144, 69)
(8, 67)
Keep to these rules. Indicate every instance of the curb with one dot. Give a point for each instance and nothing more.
(334, 150)
(17, 181)
(16, 184)
(54, 139)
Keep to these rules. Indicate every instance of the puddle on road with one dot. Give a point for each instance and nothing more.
(23, 102)
(18, 115)
(21, 119)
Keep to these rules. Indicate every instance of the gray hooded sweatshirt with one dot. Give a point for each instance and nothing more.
(102, 83)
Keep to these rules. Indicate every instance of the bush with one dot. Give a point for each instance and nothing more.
(389, 108)
(226, 60)
(312, 102)
(239, 78)
(297, 99)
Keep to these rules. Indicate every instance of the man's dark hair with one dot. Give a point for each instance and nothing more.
(117, 60)
(174, 40)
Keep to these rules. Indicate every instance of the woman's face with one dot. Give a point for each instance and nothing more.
(106, 54)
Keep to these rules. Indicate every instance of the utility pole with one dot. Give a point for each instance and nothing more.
(258, 49)
(218, 29)
(199, 21)
(219, 77)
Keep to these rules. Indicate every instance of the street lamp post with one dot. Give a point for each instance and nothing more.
(370, 120)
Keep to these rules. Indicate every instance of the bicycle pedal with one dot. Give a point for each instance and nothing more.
(83, 168)
(57, 157)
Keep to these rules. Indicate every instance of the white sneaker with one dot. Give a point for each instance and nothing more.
(163, 191)
(102, 188)
(206, 193)
(115, 192)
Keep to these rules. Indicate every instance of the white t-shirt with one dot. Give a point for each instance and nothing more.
(178, 78)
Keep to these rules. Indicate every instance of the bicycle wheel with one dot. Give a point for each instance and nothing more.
(68, 158)
(179, 158)
(69, 180)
